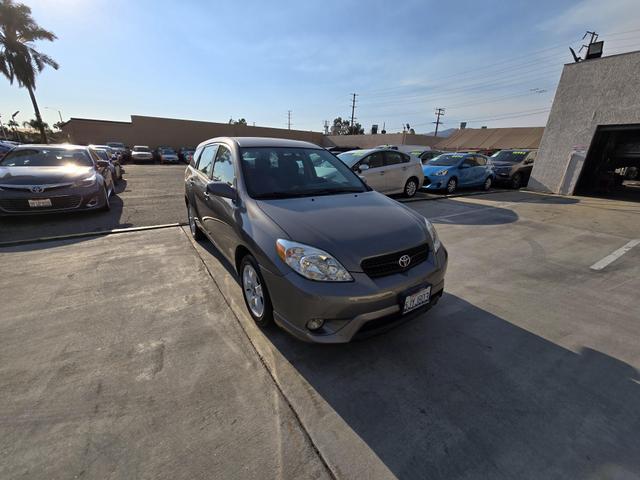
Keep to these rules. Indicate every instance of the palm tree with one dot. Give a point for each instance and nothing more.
(19, 60)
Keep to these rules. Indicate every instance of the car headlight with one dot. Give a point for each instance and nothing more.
(311, 263)
(434, 235)
(442, 173)
(87, 182)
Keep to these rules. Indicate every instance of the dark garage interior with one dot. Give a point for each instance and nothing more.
(612, 166)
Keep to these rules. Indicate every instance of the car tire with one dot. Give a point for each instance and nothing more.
(411, 187)
(487, 184)
(255, 293)
(452, 185)
(107, 204)
(196, 233)
(516, 181)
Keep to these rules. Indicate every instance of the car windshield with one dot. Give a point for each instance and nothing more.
(47, 157)
(513, 156)
(116, 145)
(274, 172)
(446, 160)
(141, 149)
(352, 157)
(167, 151)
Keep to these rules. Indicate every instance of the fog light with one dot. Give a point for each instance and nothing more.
(315, 324)
(93, 202)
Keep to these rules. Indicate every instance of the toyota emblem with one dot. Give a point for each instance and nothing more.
(404, 261)
(37, 189)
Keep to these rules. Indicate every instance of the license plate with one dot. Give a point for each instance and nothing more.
(40, 202)
(416, 299)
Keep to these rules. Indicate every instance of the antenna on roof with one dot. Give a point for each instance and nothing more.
(576, 58)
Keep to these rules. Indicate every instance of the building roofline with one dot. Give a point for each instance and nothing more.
(602, 58)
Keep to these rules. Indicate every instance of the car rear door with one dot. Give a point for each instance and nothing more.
(396, 170)
(375, 175)
(200, 179)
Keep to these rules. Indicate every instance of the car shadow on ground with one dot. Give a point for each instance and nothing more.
(462, 393)
(524, 196)
(29, 227)
(455, 211)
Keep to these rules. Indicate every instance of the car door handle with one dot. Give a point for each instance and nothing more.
(381, 173)
(404, 168)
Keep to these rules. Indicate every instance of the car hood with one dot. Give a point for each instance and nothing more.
(350, 227)
(503, 164)
(140, 153)
(433, 169)
(42, 175)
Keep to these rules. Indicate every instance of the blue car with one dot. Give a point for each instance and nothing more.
(452, 170)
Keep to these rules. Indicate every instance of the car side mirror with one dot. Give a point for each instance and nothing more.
(102, 163)
(221, 189)
(363, 168)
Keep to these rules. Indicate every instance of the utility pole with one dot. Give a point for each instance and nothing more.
(353, 109)
(289, 119)
(326, 127)
(439, 113)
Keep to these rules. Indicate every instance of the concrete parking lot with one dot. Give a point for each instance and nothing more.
(131, 356)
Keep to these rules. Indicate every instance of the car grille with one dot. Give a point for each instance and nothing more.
(389, 264)
(57, 203)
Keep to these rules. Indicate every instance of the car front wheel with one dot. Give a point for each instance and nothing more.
(255, 293)
(452, 185)
(487, 183)
(516, 181)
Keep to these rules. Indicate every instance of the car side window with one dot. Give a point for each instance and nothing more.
(393, 158)
(470, 162)
(531, 157)
(482, 161)
(205, 163)
(223, 167)
(374, 160)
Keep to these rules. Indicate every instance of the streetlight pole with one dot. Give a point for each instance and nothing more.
(57, 110)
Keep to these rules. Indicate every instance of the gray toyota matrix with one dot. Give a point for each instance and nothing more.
(316, 250)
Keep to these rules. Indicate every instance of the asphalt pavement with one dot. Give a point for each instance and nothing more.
(148, 195)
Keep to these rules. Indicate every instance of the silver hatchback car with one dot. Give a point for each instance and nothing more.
(316, 250)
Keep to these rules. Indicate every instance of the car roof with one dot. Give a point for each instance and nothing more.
(244, 142)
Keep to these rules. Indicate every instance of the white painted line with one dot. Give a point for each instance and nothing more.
(599, 265)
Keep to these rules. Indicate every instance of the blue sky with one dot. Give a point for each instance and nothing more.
(491, 62)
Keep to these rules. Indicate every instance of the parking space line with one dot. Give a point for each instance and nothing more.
(600, 264)
(13, 243)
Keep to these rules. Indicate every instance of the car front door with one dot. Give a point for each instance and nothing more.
(376, 174)
(482, 170)
(467, 171)
(221, 212)
(396, 170)
(201, 177)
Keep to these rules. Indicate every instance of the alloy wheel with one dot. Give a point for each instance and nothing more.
(252, 289)
(410, 188)
(487, 183)
(451, 185)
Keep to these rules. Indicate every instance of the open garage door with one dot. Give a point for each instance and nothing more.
(612, 166)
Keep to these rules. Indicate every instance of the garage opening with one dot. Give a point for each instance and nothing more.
(612, 166)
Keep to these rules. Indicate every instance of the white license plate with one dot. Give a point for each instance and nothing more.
(416, 300)
(40, 202)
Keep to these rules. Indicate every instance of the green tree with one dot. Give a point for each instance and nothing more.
(343, 127)
(242, 121)
(36, 124)
(19, 60)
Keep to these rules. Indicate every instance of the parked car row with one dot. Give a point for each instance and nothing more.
(390, 170)
(56, 178)
(145, 154)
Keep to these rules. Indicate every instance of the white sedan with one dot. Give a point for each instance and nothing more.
(386, 170)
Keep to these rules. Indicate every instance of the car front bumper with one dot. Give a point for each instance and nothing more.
(350, 309)
(435, 182)
(14, 202)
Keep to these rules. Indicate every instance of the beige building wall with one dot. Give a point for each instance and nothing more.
(155, 131)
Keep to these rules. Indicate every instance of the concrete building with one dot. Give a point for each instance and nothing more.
(592, 139)
(155, 131)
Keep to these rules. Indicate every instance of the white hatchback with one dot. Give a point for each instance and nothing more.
(386, 170)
